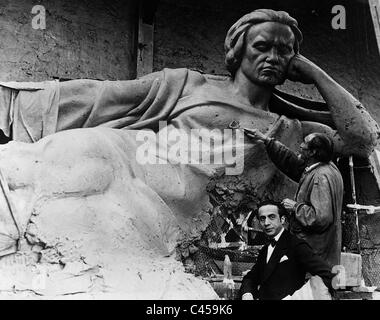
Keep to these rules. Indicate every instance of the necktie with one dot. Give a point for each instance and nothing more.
(272, 242)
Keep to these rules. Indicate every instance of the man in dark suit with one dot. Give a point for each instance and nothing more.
(282, 264)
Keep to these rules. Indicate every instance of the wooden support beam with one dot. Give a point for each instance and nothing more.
(375, 162)
(374, 6)
(145, 38)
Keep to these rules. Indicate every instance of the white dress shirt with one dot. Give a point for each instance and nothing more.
(270, 248)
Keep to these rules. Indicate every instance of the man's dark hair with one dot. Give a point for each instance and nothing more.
(281, 209)
(323, 147)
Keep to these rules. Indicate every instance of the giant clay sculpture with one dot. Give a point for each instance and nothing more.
(87, 214)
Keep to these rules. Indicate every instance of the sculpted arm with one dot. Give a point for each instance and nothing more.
(87, 103)
(357, 132)
(341, 148)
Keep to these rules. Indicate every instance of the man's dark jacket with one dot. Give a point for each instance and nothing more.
(275, 280)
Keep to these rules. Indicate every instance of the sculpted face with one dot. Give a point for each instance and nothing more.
(270, 220)
(268, 51)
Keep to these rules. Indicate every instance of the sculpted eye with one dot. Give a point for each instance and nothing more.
(261, 46)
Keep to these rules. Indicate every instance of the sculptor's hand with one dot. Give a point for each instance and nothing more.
(289, 204)
(301, 69)
(247, 296)
(255, 135)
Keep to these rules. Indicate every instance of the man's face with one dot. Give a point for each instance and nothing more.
(305, 153)
(270, 220)
(268, 51)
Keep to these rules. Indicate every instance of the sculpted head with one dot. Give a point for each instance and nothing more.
(263, 39)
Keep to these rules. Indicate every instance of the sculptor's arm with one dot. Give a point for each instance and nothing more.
(285, 159)
(357, 132)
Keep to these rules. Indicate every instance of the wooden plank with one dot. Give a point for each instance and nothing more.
(220, 278)
(374, 6)
(351, 295)
(145, 46)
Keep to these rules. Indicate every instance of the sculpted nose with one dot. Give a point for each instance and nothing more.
(273, 56)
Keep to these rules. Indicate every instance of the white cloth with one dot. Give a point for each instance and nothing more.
(314, 289)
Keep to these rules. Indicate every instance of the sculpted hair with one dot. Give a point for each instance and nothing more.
(323, 147)
(281, 209)
(234, 43)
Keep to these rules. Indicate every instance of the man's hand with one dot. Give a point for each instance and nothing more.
(302, 70)
(289, 204)
(255, 135)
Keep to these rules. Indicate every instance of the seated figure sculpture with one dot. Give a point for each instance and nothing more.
(78, 198)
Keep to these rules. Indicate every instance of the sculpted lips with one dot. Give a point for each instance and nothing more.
(271, 70)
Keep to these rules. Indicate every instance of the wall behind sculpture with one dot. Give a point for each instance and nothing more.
(82, 39)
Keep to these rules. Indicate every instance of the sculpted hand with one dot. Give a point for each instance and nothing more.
(289, 204)
(255, 135)
(302, 70)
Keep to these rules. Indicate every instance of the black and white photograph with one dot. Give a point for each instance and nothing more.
(190, 150)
